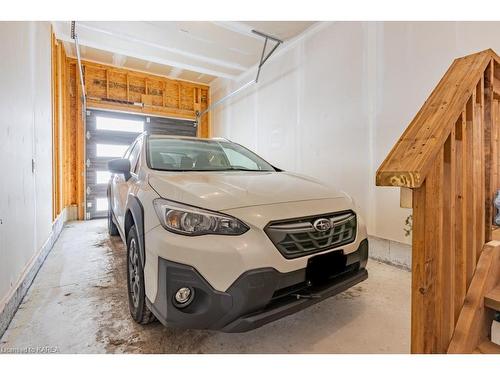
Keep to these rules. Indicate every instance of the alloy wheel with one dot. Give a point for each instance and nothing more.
(133, 272)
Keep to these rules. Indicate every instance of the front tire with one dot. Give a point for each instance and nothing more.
(135, 281)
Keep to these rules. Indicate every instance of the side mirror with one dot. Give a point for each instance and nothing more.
(120, 166)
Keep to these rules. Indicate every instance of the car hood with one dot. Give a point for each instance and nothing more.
(234, 189)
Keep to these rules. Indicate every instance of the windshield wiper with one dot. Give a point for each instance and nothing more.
(213, 170)
(247, 170)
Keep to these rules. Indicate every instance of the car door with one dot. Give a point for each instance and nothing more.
(120, 187)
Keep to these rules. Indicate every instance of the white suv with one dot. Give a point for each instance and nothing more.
(217, 238)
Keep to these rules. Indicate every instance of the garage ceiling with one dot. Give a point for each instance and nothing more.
(193, 51)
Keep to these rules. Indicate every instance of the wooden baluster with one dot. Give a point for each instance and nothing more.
(446, 279)
(497, 126)
(489, 152)
(479, 170)
(494, 153)
(470, 191)
(496, 149)
(461, 225)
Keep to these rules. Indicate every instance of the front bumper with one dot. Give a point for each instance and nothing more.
(258, 296)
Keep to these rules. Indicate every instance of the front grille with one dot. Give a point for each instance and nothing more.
(299, 237)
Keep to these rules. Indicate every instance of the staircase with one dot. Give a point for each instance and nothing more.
(448, 160)
(472, 330)
(491, 303)
(492, 299)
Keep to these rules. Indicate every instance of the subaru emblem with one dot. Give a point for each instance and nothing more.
(322, 225)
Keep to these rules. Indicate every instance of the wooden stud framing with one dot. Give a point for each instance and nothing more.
(164, 94)
(179, 96)
(56, 126)
(109, 88)
(128, 88)
(107, 84)
(158, 96)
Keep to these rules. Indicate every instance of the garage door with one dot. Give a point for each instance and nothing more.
(108, 135)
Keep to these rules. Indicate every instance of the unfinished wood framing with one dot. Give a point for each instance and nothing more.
(449, 157)
(108, 88)
(61, 151)
(126, 90)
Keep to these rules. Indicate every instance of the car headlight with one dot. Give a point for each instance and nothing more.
(192, 221)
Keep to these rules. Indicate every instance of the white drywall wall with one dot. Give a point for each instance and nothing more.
(308, 112)
(26, 134)
(332, 104)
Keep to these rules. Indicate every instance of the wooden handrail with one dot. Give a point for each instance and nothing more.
(411, 157)
(449, 157)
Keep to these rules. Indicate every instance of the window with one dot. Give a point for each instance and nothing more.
(239, 160)
(179, 154)
(102, 177)
(101, 204)
(122, 125)
(134, 155)
(110, 151)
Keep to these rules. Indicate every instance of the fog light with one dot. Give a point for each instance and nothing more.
(184, 296)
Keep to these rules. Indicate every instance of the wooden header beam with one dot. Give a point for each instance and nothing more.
(120, 89)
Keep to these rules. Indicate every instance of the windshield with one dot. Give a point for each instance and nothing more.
(171, 154)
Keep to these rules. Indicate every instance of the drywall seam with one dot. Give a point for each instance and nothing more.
(371, 80)
(300, 99)
(33, 138)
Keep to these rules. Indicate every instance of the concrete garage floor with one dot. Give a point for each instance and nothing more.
(78, 304)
